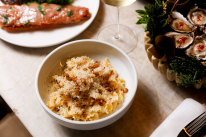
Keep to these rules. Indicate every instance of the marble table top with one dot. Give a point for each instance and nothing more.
(156, 97)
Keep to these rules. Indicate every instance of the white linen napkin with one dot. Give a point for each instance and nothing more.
(188, 110)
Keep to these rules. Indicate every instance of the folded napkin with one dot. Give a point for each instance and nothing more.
(188, 110)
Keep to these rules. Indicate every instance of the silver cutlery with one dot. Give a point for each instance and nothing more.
(194, 126)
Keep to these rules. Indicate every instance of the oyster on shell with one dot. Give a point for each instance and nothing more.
(179, 23)
(191, 32)
(182, 40)
(197, 16)
(198, 49)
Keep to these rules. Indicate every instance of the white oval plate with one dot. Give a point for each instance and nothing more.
(50, 37)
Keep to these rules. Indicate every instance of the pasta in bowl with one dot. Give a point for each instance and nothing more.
(92, 51)
(86, 90)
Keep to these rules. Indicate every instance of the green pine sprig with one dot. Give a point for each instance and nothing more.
(154, 16)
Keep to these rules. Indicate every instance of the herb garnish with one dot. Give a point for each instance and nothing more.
(27, 23)
(189, 70)
(154, 16)
(10, 7)
(5, 19)
(20, 2)
(40, 9)
(59, 8)
(70, 13)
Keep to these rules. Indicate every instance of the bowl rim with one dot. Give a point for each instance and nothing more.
(111, 116)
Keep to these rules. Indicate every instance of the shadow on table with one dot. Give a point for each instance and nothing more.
(198, 95)
(87, 34)
(139, 121)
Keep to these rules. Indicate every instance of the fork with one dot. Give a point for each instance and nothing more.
(195, 125)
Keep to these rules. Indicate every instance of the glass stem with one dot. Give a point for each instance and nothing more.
(117, 35)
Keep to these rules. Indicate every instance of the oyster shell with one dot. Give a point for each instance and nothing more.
(179, 23)
(198, 49)
(182, 40)
(197, 16)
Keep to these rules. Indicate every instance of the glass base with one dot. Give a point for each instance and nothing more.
(125, 39)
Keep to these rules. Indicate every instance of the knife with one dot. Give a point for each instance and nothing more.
(200, 133)
(196, 128)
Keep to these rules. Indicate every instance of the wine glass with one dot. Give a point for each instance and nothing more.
(117, 34)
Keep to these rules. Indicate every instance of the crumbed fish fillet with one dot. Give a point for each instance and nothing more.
(36, 16)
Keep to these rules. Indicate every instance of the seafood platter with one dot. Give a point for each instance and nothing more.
(175, 40)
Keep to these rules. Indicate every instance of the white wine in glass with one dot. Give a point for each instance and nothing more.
(117, 34)
(119, 3)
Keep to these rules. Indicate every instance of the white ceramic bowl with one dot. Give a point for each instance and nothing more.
(97, 50)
